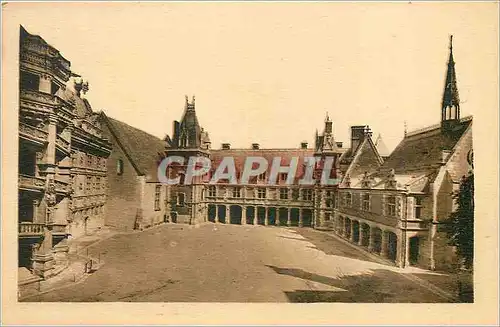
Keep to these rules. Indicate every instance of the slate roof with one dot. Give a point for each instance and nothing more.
(142, 149)
(421, 151)
(286, 155)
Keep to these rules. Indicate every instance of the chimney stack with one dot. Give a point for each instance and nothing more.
(226, 146)
(303, 145)
(339, 144)
(255, 146)
(358, 133)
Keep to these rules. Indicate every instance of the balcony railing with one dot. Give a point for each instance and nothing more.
(31, 182)
(37, 96)
(32, 132)
(30, 229)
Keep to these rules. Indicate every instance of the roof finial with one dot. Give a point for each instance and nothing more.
(451, 42)
(327, 117)
(193, 99)
(406, 128)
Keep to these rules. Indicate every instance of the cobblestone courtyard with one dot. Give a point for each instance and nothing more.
(229, 263)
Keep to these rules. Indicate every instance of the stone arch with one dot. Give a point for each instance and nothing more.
(392, 245)
(282, 214)
(377, 239)
(221, 210)
(261, 214)
(250, 214)
(272, 214)
(235, 214)
(294, 216)
(212, 212)
(365, 232)
(355, 231)
(307, 217)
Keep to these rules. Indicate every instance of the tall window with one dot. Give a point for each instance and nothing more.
(283, 193)
(157, 197)
(418, 207)
(88, 184)
(262, 177)
(119, 167)
(391, 206)
(261, 193)
(295, 194)
(283, 177)
(366, 202)
(89, 160)
(212, 191)
(98, 183)
(307, 195)
(348, 200)
(236, 192)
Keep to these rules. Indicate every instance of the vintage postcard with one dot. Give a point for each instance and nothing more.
(250, 163)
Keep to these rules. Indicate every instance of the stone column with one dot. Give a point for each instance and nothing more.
(243, 215)
(255, 219)
(35, 211)
(351, 238)
(228, 212)
(289, 217)
(50, 154)
(277, 221)
(216, 214)
(400, 260)
(361, 238)
(266, 216)
(371, 241)
(383, 248)
(301, 218)
(407, 252)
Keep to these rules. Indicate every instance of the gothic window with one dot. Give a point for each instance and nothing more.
(261, 193)
(212, 191)
(119, 167)
(157, 197)
(283, 193)
(391, 206)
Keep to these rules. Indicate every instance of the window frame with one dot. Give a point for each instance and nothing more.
(284, 194)
(391, 207)
(157, 197)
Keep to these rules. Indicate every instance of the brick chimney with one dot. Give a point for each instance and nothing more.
(303, 145)
(226, 146)
(255, 146)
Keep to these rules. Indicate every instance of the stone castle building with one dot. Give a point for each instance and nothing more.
(80, 170)
(398, 206)
(62, 158)
(257, 202)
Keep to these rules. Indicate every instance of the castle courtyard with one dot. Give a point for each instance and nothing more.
(233, 263)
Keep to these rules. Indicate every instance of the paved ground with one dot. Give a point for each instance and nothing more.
(230, 263)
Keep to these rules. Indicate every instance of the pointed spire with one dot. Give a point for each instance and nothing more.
(451, 99)
(406, 128)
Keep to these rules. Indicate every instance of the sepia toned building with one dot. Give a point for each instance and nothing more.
(135, 197)
(398, 206)
(62, 158)
(258, 202)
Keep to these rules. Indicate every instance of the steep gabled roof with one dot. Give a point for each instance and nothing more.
(381, 147)
(366, 159)
(422, 151)
(142, 149)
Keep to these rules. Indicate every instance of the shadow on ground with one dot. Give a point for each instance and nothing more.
(377, 286)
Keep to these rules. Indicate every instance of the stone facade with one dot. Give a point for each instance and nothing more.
(62, 158)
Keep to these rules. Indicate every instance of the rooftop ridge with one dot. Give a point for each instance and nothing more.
(434, 126)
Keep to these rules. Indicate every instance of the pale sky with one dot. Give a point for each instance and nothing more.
(268, 72)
